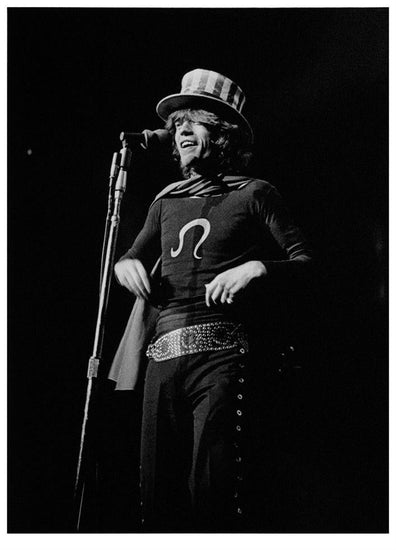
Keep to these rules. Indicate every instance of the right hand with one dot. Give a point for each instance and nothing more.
(132, 275)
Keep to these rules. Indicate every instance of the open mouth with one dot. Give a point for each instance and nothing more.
(187, 144)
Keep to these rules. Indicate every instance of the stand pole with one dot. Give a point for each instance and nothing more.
(109, 245)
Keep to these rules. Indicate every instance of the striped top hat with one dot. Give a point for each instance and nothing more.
(211, 91)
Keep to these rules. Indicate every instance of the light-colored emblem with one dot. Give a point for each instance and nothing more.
(204, 223)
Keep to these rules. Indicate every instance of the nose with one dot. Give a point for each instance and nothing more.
(185, 127)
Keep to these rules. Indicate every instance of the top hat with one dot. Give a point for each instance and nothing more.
(211, 91)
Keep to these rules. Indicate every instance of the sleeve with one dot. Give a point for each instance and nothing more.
(298, 255)
(147, 245)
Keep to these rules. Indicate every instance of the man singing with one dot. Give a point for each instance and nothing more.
(215, 233)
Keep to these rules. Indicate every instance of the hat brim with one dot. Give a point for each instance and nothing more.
(175, 102)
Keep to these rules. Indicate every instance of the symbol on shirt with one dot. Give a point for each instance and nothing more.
(204, 223)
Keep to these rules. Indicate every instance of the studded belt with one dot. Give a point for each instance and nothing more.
(214, 336)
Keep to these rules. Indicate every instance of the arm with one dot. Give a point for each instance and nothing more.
(273, 216)
(132, 269)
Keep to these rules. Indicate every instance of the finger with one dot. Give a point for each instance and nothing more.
(125, 283)
(136, 285)
(209, 290)
(132, 287)
(233, 289)
(207, 295)
(224, 296)
(230, 298)
(143, 277)
(142, 292)
(140, 285)
(216, 293)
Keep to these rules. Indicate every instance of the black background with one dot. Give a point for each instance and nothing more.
(317, 98)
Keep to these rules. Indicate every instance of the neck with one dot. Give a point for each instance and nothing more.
(209, 172)
(205, 167)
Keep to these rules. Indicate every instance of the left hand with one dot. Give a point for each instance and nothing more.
(227, 284)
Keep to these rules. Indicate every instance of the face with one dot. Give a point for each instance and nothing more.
(193, 141)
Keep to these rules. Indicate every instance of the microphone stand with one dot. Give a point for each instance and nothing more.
(114, 170)
(118, 172)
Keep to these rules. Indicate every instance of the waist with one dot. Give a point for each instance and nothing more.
(188, 312)
(212, 336)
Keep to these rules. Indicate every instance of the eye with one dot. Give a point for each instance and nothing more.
(199, 124)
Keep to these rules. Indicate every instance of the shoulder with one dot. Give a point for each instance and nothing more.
(261, 185)
(261, 198)
(154, 210)
(258, 189)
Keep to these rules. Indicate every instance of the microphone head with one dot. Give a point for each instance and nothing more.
(153, 138)
(146, 139)
(164, 137)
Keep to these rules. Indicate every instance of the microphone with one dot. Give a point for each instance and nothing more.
(147, 138)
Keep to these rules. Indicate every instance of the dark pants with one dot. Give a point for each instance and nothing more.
(192, 443)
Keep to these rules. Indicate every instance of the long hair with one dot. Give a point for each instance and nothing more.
(230, 155)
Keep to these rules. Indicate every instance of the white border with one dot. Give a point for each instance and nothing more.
(199, 542)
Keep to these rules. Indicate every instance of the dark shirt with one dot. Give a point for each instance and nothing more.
(200, 237)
